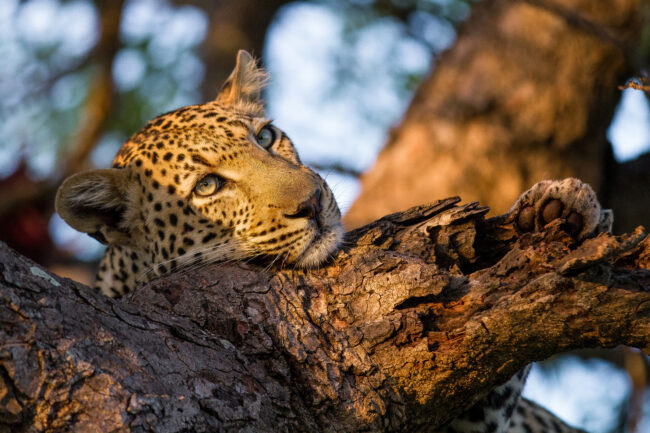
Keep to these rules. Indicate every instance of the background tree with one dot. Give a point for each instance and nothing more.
(508, 106)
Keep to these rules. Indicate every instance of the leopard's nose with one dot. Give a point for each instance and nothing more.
(309, 208)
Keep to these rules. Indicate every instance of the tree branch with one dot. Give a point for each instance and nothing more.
(415, 319)
(336, 168)
(638, 83)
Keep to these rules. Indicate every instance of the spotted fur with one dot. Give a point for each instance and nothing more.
(148, 211)
(146, 208)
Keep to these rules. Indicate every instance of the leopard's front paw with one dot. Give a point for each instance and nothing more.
(569, 199)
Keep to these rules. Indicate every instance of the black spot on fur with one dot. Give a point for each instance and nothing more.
(540, 420)
(498, 399)
(520, 410)
(200, 160)
(208, 237)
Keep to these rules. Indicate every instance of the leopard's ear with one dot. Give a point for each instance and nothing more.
(96, 202)
(245, 82)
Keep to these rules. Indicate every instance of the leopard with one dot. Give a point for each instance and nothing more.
(204, 183)
(219, 182)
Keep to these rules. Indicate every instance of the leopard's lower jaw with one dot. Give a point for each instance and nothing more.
(320, 248)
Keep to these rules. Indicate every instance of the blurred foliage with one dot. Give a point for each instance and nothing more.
(51, 50)
(604, 381)
(428, 26)
(51, 45)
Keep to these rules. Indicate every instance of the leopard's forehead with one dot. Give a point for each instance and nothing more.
(182, 136)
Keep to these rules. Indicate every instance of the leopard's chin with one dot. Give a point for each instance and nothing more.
(324, 243)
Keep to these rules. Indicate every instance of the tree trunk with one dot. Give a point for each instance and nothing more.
(526, 93)
(419, 315)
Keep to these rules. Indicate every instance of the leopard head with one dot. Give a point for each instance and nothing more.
(205, 183)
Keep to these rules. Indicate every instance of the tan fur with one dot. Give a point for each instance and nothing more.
(243, 87)
(146, 210)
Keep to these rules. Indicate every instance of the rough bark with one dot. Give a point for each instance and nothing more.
(526, 93)
(418, 316)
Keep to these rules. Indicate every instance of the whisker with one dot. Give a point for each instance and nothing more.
(207, 254)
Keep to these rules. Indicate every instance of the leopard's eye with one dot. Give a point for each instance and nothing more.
(265, 137)
(208, 185)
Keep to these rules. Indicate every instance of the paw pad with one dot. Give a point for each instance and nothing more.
(574, 222)
(569, 199)
(526, 219)
(552, 210)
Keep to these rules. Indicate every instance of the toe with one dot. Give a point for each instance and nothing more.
(552, 210)
(526, 219)
(575, 223)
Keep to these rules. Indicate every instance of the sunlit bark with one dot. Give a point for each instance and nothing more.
(421, 314)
